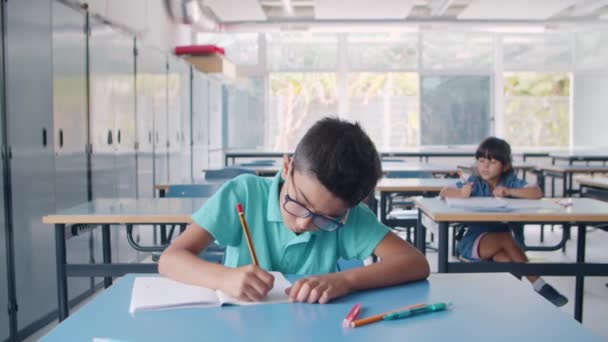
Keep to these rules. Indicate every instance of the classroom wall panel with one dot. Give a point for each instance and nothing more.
(200, 124)
(30, 128)
(186, 128)
(69, 120)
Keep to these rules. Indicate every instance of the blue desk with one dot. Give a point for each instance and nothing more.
(488, 307)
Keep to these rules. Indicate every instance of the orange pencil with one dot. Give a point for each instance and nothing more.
(378, 317)
(239, 209)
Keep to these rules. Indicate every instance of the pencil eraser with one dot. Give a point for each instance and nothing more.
(239, 208)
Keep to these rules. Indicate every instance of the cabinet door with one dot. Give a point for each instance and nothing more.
(175, 89)
(200, 124)
(30, 128)
(4, 318)
(70, 133)
(101, 110)
(161, 172)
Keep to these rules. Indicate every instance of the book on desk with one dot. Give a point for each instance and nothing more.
(500, 204)
(159, 293)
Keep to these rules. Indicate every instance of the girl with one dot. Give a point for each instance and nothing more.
(494, 241)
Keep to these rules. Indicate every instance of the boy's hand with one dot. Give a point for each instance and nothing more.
(500, 191)
(249, 283)
(319, 289)
(466, 190)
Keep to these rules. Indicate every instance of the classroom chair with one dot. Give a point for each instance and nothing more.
(262, 162)
(225, 173)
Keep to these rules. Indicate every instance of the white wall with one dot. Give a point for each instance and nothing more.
(590, 110)
(148, 18)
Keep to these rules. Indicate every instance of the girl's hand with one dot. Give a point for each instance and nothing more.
(466, 190)
(248, 283)
(501, 191)
(319, 289)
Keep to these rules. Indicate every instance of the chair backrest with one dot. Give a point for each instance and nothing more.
(192, 190)
(262, 162)
(254, 164)
(226, 173)
(409, 174)
(392, 160)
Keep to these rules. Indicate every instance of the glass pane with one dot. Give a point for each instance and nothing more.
(536, 51)
(296, 101)
(592, 50)
(457, 50)
(455, 110)
(386, 106)
(382, 51)
(537, 109)
(240, 48)
(302, 51)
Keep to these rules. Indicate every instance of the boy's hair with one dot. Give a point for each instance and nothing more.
(342, 157)
(498, 149)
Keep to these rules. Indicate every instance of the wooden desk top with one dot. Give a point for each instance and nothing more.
(597, 182)
(580, 210)
(414, 184)
(129, 210)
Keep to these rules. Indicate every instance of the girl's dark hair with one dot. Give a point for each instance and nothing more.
(497, 149)
(342, 157)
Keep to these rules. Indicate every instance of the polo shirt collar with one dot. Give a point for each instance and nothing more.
(273, 212)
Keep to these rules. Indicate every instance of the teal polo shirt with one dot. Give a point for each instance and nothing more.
(276, 246)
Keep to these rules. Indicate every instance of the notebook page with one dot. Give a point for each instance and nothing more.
(158, 293)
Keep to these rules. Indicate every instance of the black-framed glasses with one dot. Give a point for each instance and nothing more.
(322, 222)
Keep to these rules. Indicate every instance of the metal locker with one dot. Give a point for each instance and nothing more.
(216, 128)
(161, 172)
(174, 105)
(4, 292)
(200, 124)
(70, 131)
(101, 110)
(122, 61)
(185, 165)
(30, 128)
(150, 70)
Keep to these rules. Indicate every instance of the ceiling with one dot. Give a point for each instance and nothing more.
(281, 11)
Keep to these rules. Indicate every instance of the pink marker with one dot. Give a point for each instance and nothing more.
(352, 315)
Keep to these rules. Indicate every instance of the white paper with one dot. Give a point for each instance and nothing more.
(159, 293)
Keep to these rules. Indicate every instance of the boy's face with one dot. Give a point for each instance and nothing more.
(307, 191)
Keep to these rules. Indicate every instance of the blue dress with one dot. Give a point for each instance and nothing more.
(482, 189)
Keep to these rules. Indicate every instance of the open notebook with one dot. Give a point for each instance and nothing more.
(159, 293)
(500, 204)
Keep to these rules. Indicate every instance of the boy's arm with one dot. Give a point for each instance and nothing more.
(400, 262)
(180, 261)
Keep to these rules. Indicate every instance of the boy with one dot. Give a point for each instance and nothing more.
(301, 222)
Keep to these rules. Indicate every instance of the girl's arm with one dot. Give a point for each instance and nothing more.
(530, 192)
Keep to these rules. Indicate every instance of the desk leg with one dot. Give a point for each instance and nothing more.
(383, 196)
(442, 257)
(107, 251)
(62, 281)
(565, 184)
(580, 280)
(570, 190)
(420, 234)
(161, 193)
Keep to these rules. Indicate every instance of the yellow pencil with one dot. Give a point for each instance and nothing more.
(239, 209)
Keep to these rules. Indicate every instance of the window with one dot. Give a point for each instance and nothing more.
(296, 101)
(537, 51)
(455, 110)
(457, 50)
(382, 51)
(386, 106)
(537, 109)
(302, 51)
